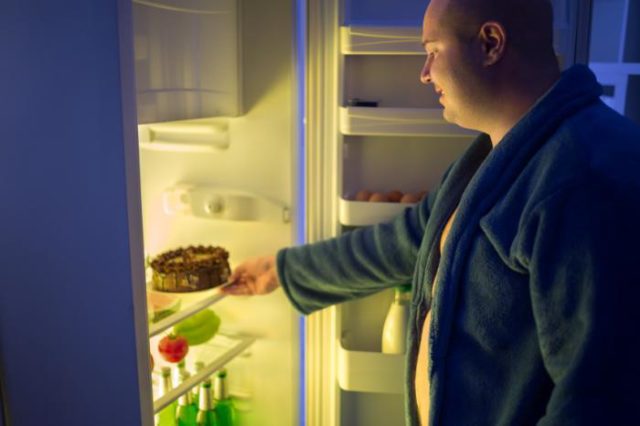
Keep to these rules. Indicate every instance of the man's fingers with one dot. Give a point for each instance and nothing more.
(236, 289)
(266, 283)
(237, 272)
(256, 276)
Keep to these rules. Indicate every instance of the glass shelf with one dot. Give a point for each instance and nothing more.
(205, 299)
(398, 122)
(370, 40)
(215, 354)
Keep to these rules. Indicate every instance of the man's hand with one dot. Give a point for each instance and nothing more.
(254, 276)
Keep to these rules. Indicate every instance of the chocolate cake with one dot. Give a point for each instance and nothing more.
(190, 269)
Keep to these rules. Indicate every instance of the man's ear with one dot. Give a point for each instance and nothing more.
(493, 39)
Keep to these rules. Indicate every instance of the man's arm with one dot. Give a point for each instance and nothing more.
(355, 264)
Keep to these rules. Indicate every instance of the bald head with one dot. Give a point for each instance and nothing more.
(489, 60)
(528, 23)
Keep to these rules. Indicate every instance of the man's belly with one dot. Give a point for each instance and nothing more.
(422, 364)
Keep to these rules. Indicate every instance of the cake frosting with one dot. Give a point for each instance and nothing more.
(192, 268)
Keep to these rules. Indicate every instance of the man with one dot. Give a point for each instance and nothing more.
(523, 260)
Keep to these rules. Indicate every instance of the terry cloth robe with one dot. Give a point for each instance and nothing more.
(536, 314)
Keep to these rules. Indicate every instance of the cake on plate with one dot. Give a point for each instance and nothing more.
(190, 269)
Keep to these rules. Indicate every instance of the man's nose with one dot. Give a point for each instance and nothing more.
(425, 74)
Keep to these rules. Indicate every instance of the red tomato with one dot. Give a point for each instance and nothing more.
(173, 348)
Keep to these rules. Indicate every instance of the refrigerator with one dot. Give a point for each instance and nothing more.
(135, 127)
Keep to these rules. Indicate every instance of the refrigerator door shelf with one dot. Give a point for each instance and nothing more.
(398, 122)
(215, 354)
(370, 40)
(362, 213)
(223, 204)
(362, 371)
(185, 136)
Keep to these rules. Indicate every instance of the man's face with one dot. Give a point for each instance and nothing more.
(451, 67)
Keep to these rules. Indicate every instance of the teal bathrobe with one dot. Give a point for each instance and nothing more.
(536, 313)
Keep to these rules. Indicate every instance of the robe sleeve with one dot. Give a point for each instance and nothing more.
(585, 290)
(355, 264)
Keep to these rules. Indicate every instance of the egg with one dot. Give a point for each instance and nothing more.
(363, 195)
(378, 197)
(410, 198)
(394, 196)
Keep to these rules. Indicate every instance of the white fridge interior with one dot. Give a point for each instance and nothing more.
(216, 100)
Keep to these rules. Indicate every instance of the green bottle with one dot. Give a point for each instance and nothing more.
(187, 408)
(206, 412)
(166, 416)
(225, 409)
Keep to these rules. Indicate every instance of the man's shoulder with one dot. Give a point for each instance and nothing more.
(597, 146)
(596, 140)
(596, 143)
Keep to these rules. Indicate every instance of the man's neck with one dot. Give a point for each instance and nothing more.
(517, 98)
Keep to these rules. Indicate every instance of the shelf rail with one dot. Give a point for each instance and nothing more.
(241, 344)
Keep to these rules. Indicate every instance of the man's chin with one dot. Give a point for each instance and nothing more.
(448, 117)
(452, 119)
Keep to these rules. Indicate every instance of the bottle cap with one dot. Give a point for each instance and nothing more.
(166, 371)
(222, 373)
(184, 375)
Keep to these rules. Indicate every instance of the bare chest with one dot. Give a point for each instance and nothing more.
(447, 228)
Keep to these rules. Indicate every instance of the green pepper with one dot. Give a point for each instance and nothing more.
(199, 327)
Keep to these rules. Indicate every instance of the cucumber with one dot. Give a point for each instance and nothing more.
(198, 328)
